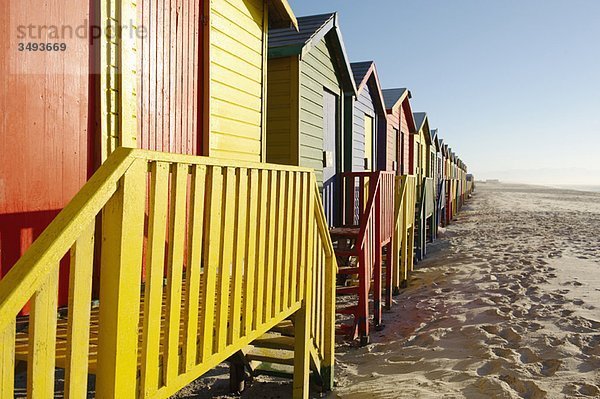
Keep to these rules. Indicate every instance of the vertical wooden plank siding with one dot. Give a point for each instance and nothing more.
(282, 111)
(317, 71)
(236, 85)
(393, 130)
(157, 231)
(46, 128)
(42, 339)
(171, 68)
(78, 324)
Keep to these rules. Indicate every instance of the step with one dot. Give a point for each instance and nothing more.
(347, 232)
(286, 328)
(350, 252)
(281, 357)
(348, 270)
(274, 342)
(348, 310)
(346, 290)
(268, 370)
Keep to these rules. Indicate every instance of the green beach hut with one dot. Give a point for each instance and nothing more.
(308, 79)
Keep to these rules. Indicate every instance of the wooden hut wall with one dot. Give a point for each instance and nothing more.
(171, 69)
(405, 147)
(393, 130)
(238, 53)
(295, 108)
(363, 108)
(203, 88)
(283, 110)
(48, 128)
(387, 151)
(317, 72)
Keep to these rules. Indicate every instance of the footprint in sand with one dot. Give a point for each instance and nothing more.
(550, 367)
(510, 335)
(577, 389)
(527, 389)
(528, 356)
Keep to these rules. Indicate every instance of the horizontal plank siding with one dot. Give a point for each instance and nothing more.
(362, 106)
(317, 72)
(236, 82)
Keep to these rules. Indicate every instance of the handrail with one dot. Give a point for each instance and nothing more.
(403, 239)
(241, 242)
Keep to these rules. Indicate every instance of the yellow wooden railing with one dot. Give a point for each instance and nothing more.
(225, 252)
(404, 227)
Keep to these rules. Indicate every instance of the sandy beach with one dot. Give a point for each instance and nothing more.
(506, 305)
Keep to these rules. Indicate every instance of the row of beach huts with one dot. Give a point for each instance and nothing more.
(216, 189)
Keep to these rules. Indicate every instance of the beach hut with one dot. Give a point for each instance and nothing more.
(439, 178)
(188, 78)
(367, 136)
(425, 209)
(309, 81)
(62, 120)
(401, 124)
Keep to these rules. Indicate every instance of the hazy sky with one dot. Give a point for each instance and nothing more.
(512, 85)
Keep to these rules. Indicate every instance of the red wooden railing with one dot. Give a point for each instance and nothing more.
(368, 203)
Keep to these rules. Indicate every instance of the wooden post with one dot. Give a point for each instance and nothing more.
(123, 233)
(303, 322)
(377, 269)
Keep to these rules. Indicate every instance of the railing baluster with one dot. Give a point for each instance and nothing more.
(239, 245)
(153, 289)
(303, 316)
(193, 271)
(251, 253)
(306, 226)
(277, 243)
(78, 324)
(42, 339)
(7, 359)
(123, 232)
(179, 179)
(212, 255)
(293, 248)
(262, 242)
(227, 237)
(271, 245)
(288, 224)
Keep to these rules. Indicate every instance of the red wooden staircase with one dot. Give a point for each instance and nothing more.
(366, 230)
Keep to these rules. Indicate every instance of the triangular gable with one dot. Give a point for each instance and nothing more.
(312, 29)
(422, 123)
(365, 74)
(400, 97)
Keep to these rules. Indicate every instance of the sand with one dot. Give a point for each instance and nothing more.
(506, 305)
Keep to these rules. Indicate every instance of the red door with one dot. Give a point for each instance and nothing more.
(46, 128)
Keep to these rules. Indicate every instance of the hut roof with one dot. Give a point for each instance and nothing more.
(422, 122)
(399, 97)
(281, 14)
(365, 73)
(394, 96)
(285, 42)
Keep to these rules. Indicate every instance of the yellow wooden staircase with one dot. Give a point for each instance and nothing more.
(198, 259)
